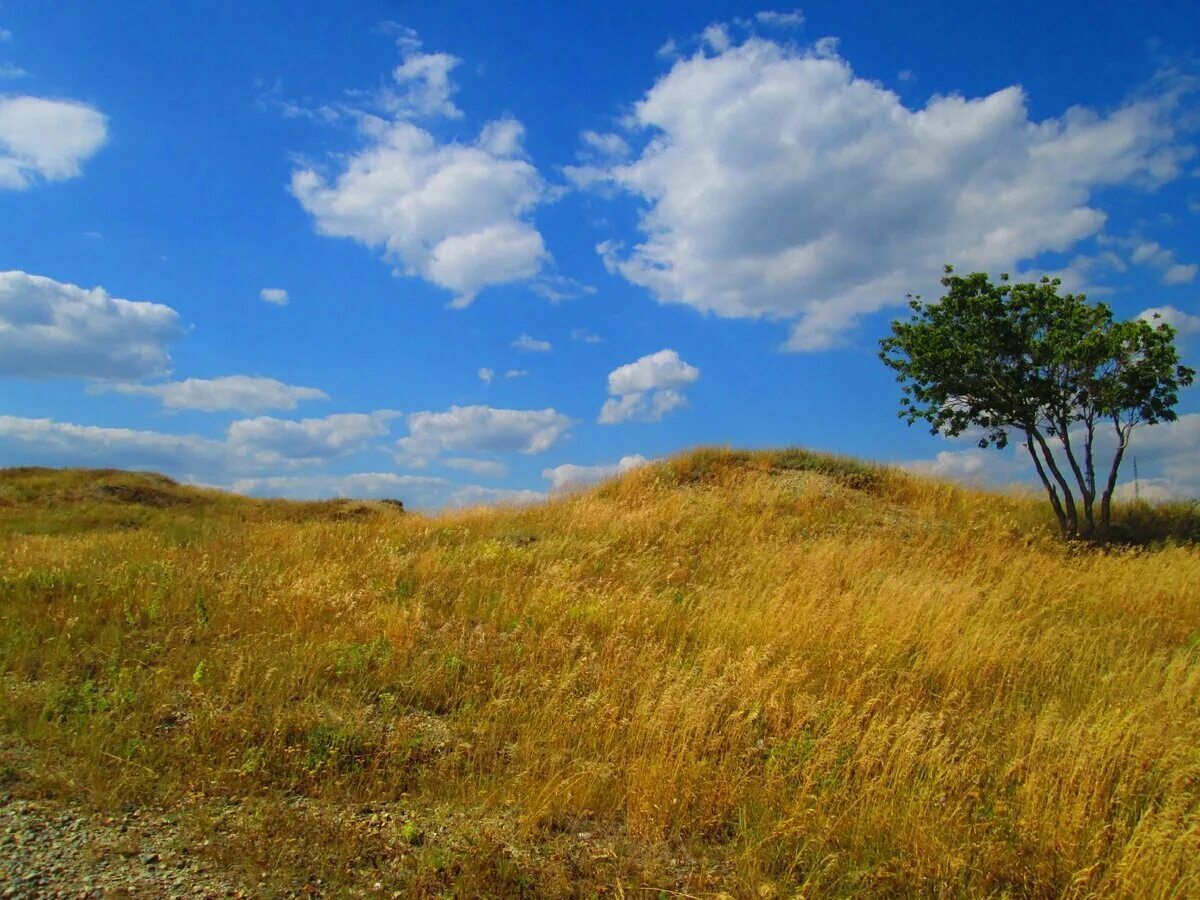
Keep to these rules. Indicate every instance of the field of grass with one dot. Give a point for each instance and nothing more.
(757, 675)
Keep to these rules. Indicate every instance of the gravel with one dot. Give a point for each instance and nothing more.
(53, 849)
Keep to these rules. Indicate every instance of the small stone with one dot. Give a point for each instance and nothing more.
(149, 859)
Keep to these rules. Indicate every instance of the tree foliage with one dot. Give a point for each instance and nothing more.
(1053, 369)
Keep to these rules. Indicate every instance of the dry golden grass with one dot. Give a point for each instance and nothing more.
(761, 674)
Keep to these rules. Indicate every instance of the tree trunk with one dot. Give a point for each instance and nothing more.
(1072, 529)
(1089, 463)
(1087, 496)
(1037, 464)
(1106, 499)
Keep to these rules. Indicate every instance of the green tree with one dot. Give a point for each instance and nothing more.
(1053, 369)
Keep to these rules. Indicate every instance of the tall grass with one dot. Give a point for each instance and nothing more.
(757, 674)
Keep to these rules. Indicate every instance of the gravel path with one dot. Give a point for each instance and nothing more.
(51, 849)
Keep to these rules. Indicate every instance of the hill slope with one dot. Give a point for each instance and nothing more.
(746, 673)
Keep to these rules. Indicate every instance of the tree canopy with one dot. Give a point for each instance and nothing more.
(1053, 369)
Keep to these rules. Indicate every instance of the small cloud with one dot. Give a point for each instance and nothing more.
(608, 146)
(486, 375)
(278, 296)
(648, 389)
(717, 37)
(8, 70)
(907, 76)
(669, 50)
(516, 373)
(532, 345)
(43, 140)
(793, 19)
(641, 406)
(1180, 274)
(1156, 256)
(557, 288)
(93, 235)
(585, 337)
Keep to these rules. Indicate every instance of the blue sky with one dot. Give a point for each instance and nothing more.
(468, 252)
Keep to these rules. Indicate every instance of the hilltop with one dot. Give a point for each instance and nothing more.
(751, 674)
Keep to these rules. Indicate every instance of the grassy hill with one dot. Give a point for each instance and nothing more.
(761, 675)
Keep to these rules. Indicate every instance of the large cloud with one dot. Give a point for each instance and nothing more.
(647, 389)
(246, 393)
(49, 329)
(249, 458)
(46, 140)
(781, 185)
(250, 446)
(26, 441)
(452, 213)
(481, 429)
(449, 213)
(308, 441)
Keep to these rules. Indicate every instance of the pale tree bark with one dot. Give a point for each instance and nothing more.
(1068, 499)
(1050, 489)
(1123, 432)
(1064, 437)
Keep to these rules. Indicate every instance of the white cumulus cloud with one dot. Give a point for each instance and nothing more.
(1153, 254)
(25, 441)
(648, 389)
(481, 429)
(278, 296)
(246, 393)
(308, 441)
(50, 329)
(780, 184)
(453, 213)
(251, 447)
(663, 369)
(46, 140)
(425, 85)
